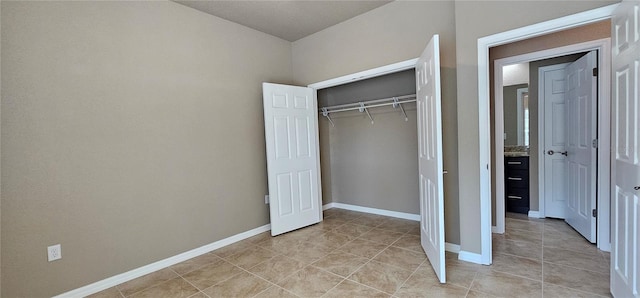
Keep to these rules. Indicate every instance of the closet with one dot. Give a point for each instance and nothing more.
(389, 162)
(368, 144)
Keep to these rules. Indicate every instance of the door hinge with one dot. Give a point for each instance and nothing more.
(595, 72)
(594, 143)
(594, 212)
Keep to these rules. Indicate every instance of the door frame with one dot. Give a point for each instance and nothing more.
(603, 46)
(484, 121)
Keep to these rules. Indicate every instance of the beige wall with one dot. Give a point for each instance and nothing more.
(394, 32)
(585, 33)
(375, 165)
(371, 165)
(131, 132)
(476, 19)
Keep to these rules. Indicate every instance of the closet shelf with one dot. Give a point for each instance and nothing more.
(363, 106)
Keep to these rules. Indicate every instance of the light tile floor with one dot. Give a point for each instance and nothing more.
(353, 254)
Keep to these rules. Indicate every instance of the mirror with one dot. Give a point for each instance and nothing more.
(516, 115)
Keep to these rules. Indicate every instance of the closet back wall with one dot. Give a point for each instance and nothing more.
(371, 165)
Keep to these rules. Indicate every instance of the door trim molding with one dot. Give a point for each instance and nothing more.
(484, 121)
(603, 47)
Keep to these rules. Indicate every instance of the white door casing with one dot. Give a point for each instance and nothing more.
(484, 122)
(291, 134)
(625, 157)
(430, 165)
(582, 126)
(552, 93)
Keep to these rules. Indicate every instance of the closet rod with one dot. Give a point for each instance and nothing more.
(368, 104)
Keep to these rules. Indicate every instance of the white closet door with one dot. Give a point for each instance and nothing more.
(625, 156)
(430, 156)
(291, 134)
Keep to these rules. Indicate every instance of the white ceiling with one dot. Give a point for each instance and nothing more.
(289, 20)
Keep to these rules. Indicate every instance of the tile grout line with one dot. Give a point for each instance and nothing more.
(371, 259)
(578, 268)
(271, 284)
(359, 267)
(227, 277)
(199, 290)
(475, 274)
(294, 272)
(180, 275)
(409, 277)
(152, 286)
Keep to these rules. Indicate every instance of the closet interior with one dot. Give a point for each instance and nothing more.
(368, 143)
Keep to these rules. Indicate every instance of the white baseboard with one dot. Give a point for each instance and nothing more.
(144, 270)
(450, 247)
(470, 257)
(327, 206)
(535, 214)
(396, 214)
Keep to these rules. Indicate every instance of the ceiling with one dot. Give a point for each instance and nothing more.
(289, 20)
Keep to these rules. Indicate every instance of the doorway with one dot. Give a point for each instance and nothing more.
(538, 154)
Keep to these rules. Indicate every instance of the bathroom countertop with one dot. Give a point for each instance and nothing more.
(514, 154)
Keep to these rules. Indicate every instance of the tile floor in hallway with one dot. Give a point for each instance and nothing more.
(353, 254)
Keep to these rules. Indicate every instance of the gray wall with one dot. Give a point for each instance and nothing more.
(394, 32)
(510, 108)
(473, 20)
(371, 165)
(131, 132)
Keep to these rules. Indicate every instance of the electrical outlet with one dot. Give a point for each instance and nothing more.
(266, 199)
(54, 252)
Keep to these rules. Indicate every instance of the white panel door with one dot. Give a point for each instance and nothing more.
(625, 157)
(430, 156)
(291, 134)
(555, 163)
(581, 103)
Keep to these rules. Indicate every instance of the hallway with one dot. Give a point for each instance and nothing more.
(549, 250)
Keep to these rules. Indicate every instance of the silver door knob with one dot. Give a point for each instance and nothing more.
(637, 187)
(551, 152)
